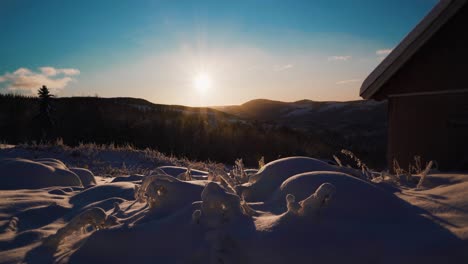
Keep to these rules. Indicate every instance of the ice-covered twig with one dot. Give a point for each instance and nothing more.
(247, 209)
(424, 174)
(185, 176)
(238, 172)
(231, 185)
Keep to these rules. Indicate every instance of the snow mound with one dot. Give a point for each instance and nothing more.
(307, 211)
(28, 174)
(353, 198)
(165, 194)
(209, 231)
(86, 176)
(122, 190)
(262, 184)
(52, 162)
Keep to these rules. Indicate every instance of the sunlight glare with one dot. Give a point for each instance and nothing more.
(202, 82)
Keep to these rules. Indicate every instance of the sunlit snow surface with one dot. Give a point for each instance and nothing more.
(328, 217)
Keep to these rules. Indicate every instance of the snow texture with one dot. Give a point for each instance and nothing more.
(27, 174)
(298, 210)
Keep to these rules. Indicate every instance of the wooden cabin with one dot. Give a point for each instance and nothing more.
(425, 80)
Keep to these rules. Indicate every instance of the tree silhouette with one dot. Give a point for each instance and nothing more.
(45, 112)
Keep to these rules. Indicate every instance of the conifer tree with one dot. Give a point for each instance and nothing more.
(45, 112)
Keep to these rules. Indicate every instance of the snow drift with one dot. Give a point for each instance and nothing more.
(28, 174)
(305, 211)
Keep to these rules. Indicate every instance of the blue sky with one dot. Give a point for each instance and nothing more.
(160, 50)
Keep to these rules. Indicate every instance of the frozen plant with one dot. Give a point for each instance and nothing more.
(406, 177)
(238, 171)
(185, 176)
(236, 188)
(94, 217)
(292, 205)
(218, 206)
(317, 200)
(143, 191)
(311, 205)
(218, 209)
(385, 176)
(424, 174)
(154, 193)
(261, 162)
(247, 209)
(338, 161)
(416, 168)
(213, 176)
(165, 191)
(228, 182)
(366, 173)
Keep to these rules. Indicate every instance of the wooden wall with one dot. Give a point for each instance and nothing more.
(434, 127)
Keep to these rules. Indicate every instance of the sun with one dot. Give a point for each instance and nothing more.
(202, 82)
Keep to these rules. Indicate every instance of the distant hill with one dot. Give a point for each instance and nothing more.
(257, 128)
(192, 132)
(308, 115)
(360, 126)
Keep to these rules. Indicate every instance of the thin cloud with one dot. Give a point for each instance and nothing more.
(283, 67)
(27, 81)
(51, 71)
(339, 58)
(348, 81)
(383, 52)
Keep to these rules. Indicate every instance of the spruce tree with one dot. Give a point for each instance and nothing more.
(45, 112)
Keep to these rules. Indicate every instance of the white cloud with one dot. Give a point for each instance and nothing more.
(51, 71)
(383, 52)
(339, 58)
(348, 81)
(283, 67)
(25, 80)
(69, 71)
(22, 71)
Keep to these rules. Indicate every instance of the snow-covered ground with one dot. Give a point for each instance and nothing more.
(294, 210)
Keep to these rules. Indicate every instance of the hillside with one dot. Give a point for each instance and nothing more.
(195, 133)
(308, 115)
(360, 126)
(255, 129)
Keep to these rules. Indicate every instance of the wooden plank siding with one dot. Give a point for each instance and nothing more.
(434, 127)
